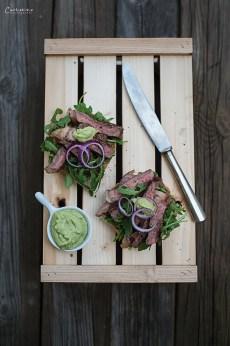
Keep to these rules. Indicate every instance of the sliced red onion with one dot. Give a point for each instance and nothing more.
(145, 213)
(81, 149)
(143, 216)
(122, 210)
(86, 146)
(84, 150)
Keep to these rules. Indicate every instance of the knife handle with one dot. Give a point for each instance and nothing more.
(193, 203)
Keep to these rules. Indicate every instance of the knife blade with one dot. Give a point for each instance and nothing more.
(159, 137)
(145, 111)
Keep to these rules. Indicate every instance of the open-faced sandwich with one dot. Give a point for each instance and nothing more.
(141, 209)
(80, 144)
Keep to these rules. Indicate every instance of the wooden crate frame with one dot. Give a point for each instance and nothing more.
(61, 90)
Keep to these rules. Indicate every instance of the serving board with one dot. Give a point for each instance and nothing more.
(164, 70)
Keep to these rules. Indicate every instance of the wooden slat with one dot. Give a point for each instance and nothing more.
(61, 90)
(177, 119)
(118, 46)
(117, 274)
(100, 85)
(138, 151)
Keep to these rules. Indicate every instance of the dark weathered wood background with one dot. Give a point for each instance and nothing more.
(105, 314)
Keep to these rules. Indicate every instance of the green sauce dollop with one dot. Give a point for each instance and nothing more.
(69, 228)
(85, 134)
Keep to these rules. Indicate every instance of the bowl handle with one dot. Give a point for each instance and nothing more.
(44, 201)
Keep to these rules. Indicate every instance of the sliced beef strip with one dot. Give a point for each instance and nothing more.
(100, 137)
(114, 212)
(109, 150)
(162, 200)
(104, 209)
(137, 238)
(125, 178)
(106, 128)
(133, 240)
(125, 242)
(145, 177)
(57, 162)
(150, 192)
(64, 136)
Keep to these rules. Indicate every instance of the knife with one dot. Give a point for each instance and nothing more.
(160, 139)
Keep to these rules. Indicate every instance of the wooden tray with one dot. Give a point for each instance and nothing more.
(98, 260)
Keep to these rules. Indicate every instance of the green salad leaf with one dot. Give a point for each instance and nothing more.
(82, 107)
(116, 140)
(56, 123)
(131, 192)
(174, 215)
(68, 180)
(122, 224)
(88, 178)
(49, 145)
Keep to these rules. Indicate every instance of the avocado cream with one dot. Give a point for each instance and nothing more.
(142, 202)
(85, 134)
(69, 228)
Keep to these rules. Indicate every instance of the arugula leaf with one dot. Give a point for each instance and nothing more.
(56, 112)
(122, 224)
(57, 123)
(116, 140)
(174, 215)
(161, 188)
(143, 246)
(88, 178)
(82, 107)
(49, 145)
(131, 192)
(68, 180)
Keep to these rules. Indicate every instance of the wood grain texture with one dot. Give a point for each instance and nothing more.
(121, 274)
(207, 304)
(76, 314)
(177, 120)
(61, 91)
(21, 128)
(91, 18)
(147, 18)
(137, 141)
(118, 46)
(100, 88)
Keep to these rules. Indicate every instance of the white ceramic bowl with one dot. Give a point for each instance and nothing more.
(46, 203)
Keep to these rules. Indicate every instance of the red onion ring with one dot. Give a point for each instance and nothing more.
(86, 146)
(122, 210)
(141, 216)
(84, 149)
(69, 150)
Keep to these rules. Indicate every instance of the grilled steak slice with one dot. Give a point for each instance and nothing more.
(109, 150)
(103, 209)
(57, 162)
(103, 127)
(133, 240)
(162, 200)
(145, 177)
(64, 136)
